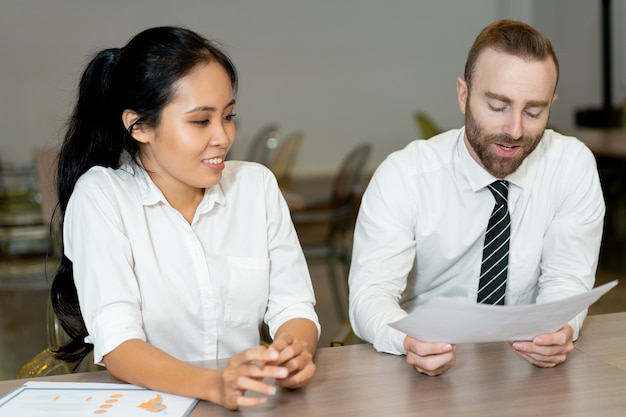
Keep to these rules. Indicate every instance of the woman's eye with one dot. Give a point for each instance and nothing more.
(203, 122)
(229, 117)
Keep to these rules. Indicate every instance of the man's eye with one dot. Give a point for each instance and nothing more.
(533, 114)
(497, 109)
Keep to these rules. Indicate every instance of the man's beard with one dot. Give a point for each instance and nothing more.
(482, 144)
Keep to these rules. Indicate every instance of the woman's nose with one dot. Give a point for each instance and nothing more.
(221, 135)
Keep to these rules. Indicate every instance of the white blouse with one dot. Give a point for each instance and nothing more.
(196, 291)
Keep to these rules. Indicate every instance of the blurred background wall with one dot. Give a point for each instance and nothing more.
(342, 72)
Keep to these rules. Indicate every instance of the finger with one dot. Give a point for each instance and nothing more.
(259, 354)
(432, 364)
(561, 337)
(265, 371)
(231, 399)
(246, 377)
(288, 348)
(300, 378)
(298, 362)
(545, 357)
(292, 351)
(282, 341)
(422, 348)
(543, 361)
(244, 384)
(544, 350)
(244, 401)
(237, 399)
(435, 371)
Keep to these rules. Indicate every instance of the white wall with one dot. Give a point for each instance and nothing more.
(341, 71)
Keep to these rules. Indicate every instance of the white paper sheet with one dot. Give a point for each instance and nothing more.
(461, 321)
(80, 399)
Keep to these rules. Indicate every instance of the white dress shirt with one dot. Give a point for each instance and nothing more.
(198, 291)
(422, 222)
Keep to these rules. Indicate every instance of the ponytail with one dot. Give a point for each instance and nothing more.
(93, 137)
(95, 133)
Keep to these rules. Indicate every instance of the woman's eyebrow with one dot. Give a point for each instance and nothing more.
(209, 108)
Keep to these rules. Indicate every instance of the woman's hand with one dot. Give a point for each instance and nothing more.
(245, 372)
(296, 357)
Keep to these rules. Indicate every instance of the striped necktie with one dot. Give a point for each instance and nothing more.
(494, 268)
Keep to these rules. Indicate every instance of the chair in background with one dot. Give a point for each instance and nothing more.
(336, 219)
(45, 364)
(24, 236)
(344, 335)
(426, 125)
(263, 145)
(284, 158)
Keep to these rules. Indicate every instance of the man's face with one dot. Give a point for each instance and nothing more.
(507, 109)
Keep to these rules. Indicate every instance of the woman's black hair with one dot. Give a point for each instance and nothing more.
(140, 77)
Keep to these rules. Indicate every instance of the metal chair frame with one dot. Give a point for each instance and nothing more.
(263, 145)
(340, 214)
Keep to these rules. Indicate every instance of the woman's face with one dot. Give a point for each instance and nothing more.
(186, 151)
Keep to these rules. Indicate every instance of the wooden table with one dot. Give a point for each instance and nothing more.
(604, 337)
(488, 380)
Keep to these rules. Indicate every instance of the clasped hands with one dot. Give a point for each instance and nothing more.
(286, 360)
(545, 351)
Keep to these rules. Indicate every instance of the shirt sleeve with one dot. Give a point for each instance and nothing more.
(383, 254)
(95, 242)
(291, 293)
(572, 241)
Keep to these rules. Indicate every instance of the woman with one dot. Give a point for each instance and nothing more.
(173, 255)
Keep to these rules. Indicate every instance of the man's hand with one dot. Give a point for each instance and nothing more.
(429, 358)
(546, 350)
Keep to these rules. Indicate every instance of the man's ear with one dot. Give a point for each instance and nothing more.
(554, 97)
(137, 130)
(461, 93)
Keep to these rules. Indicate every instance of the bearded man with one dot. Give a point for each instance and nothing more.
(502, 211)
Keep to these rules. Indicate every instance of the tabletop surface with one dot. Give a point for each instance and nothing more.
(488, 380)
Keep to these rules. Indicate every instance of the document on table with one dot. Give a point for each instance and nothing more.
(80, 399)
(461, 321)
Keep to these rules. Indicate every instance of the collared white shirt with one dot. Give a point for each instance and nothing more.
(198, 291)
(421, 228)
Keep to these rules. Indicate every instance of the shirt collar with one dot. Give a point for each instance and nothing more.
(152, 195)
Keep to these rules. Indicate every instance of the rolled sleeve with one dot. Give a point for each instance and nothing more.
(112, 327)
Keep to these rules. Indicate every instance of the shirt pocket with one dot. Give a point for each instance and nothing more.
(523, 275)
(248, 289)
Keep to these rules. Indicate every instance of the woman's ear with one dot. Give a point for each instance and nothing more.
(137, 130)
